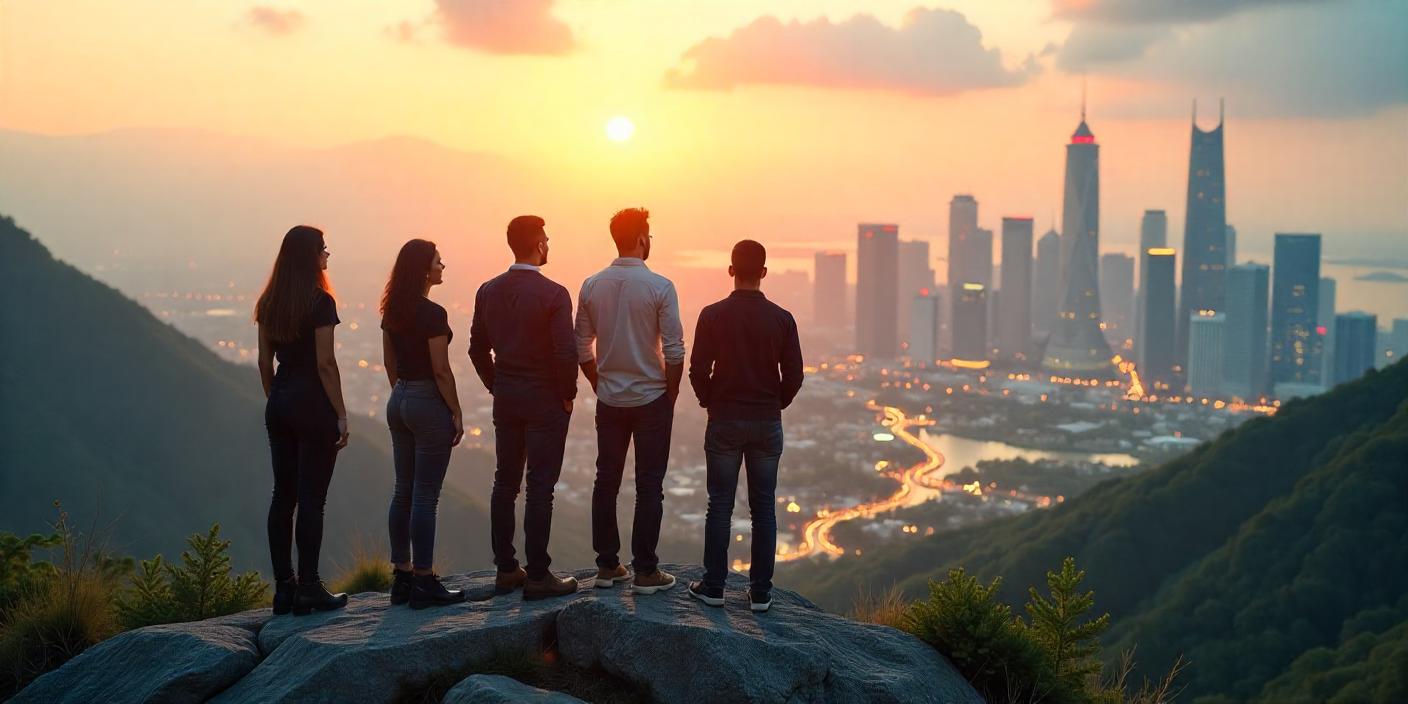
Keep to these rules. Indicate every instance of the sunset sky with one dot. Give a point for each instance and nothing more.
(795, 118)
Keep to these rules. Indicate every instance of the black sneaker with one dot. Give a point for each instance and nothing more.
(284, 592)
(713, 596)
(429, 591)
(313, 596)
(401, 587)
(759, 602)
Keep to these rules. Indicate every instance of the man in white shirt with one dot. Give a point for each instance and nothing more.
(632, 314)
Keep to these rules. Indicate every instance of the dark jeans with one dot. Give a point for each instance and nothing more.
(529, 428)
(421, 431)
(649, 426)
(302, 441)
(727, 444)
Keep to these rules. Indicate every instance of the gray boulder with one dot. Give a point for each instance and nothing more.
(683, 651)
(497, 689)
(186, 662)
(666, 644)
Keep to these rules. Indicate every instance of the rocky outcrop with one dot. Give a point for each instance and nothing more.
(666, 646)
(497, 689)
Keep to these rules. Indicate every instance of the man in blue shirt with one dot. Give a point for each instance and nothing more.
(746, 367)
(521, 344)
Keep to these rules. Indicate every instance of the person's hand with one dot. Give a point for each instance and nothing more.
(459, 430)
(567, 406)
(341, 433)
(673, 395)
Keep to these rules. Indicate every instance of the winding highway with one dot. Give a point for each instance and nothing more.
(916, 487)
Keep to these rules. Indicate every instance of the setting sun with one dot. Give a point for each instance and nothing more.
(620, 128)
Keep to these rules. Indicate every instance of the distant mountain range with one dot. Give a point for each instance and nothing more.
(1274, 558)
(125, 420)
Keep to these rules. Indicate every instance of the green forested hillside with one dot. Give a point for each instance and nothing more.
(124, 419)
(1259, 556)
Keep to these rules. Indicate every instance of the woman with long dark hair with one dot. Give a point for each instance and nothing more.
(424, 416)
(305, 415)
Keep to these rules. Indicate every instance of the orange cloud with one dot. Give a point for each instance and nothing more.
(504, 26)
(933, 52)
(275, 21)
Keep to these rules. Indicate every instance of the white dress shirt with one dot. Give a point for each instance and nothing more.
(633, 316)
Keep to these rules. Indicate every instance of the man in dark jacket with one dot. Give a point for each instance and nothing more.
(746, 367)
(523, 349)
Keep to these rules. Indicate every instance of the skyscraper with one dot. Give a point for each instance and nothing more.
(1356, 335)
(1398, 339)
(1076, 346)
(1245, 371)
(1206, 333)
(1153, 233)
(915, 275)
(1204, 230)
(877, 290)
(1014, 313)
(970, 323)
(1295, 305)
(1046, 285)
(1231, 244)
(962, 227)
(1156, 354)
(1325, 328)
(829, 290)
(924, 327)
(1117, 296)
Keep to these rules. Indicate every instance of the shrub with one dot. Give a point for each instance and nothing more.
(1053, 658)
(20, 573)
(369, 572)
(885, 608)
(964, 620)
(59, 609)
(1071, 643)
(200, 587)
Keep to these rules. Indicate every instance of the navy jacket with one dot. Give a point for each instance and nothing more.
(521, 339)
(747, 361)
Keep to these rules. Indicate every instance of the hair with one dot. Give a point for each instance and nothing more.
(628, 225)
(294, 285)
(748, 260)
(406, 286)
(524, 232)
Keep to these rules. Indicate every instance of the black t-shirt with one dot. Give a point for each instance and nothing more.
(300, 356)
(411, 341)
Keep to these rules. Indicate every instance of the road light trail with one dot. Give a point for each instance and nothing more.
(915, 486)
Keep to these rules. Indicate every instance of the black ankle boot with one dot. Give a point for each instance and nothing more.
(401, 583)
(428, 591)
(313, 596)
(284, 591)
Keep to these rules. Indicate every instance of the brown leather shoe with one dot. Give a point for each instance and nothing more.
(654, 581)
(548, 586)
(506, 582)
(608, 578)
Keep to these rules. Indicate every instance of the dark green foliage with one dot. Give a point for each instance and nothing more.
(105, 404)
(1058, 624)
(1242, 556)
(965, 621)
(20, 572)
(200, 587)
(65, 607)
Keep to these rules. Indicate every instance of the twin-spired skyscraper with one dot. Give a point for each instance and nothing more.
(1076, 345)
